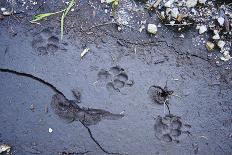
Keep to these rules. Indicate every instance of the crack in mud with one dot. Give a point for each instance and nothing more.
(6, 70)
(153, 42)
(73, 153)
(96, 142)
(187, 54)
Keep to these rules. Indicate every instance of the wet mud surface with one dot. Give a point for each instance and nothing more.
(131, 94)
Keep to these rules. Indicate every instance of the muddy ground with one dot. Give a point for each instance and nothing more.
(121, 74)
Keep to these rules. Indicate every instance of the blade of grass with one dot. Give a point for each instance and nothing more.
(71, 4)
(44, 15)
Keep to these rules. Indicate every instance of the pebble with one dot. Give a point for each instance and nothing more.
(175, 12)
(191, 3)
(216, 35)
(221, 44)
(202, 29)
(152, 28)
(169, 3)
(226, 56)
(221, 21)
(50, 130)
(210, 46)
(202, 1)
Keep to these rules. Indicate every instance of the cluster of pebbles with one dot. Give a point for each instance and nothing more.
(212, 19)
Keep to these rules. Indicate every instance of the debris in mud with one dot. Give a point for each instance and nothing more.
(159, 95)
(50, 130)
(77, 95)
(84, 52)
(5, 148)
(69, 112)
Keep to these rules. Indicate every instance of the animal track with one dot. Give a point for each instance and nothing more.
(45, 43)
(115, 78)
(158, 94)
(169, 128)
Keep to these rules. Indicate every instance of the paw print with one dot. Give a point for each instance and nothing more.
(169, 128)
(115, 78)
(45, 43)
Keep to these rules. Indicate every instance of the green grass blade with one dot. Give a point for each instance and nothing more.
(71, 4)
(44, 15)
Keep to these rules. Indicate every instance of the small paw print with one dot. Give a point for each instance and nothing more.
(169, 128)
(115, 78)
(45, 43)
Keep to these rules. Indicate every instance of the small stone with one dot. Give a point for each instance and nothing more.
(162, 15)
(50, 130)
(4, 148)
(181, 36)
(202, 29)
(216, 35)
(226, 56)
(221, 44)
(3, 9)
(172, 23)
(209, 45)
(221, 21)
(191, 3)
(202, 1)
(152, 28)
(168, 3)
(175, 12)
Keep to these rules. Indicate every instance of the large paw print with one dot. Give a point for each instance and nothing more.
(169, 128)
(115, 78)
(45, 43)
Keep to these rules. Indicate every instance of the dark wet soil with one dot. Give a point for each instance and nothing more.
(45, 84)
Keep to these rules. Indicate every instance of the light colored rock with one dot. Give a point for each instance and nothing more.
(221, 44)
(202, 29)
(4, 148)
(216, 35)
(168, 4)
(226, 56)
(162, 14)
(209, 45)
(202, 1)
(172, 23)
(191, 3)
(221, 21)
(152, 28)
(174, 12)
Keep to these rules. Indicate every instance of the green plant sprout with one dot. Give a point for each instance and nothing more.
(39, 17)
